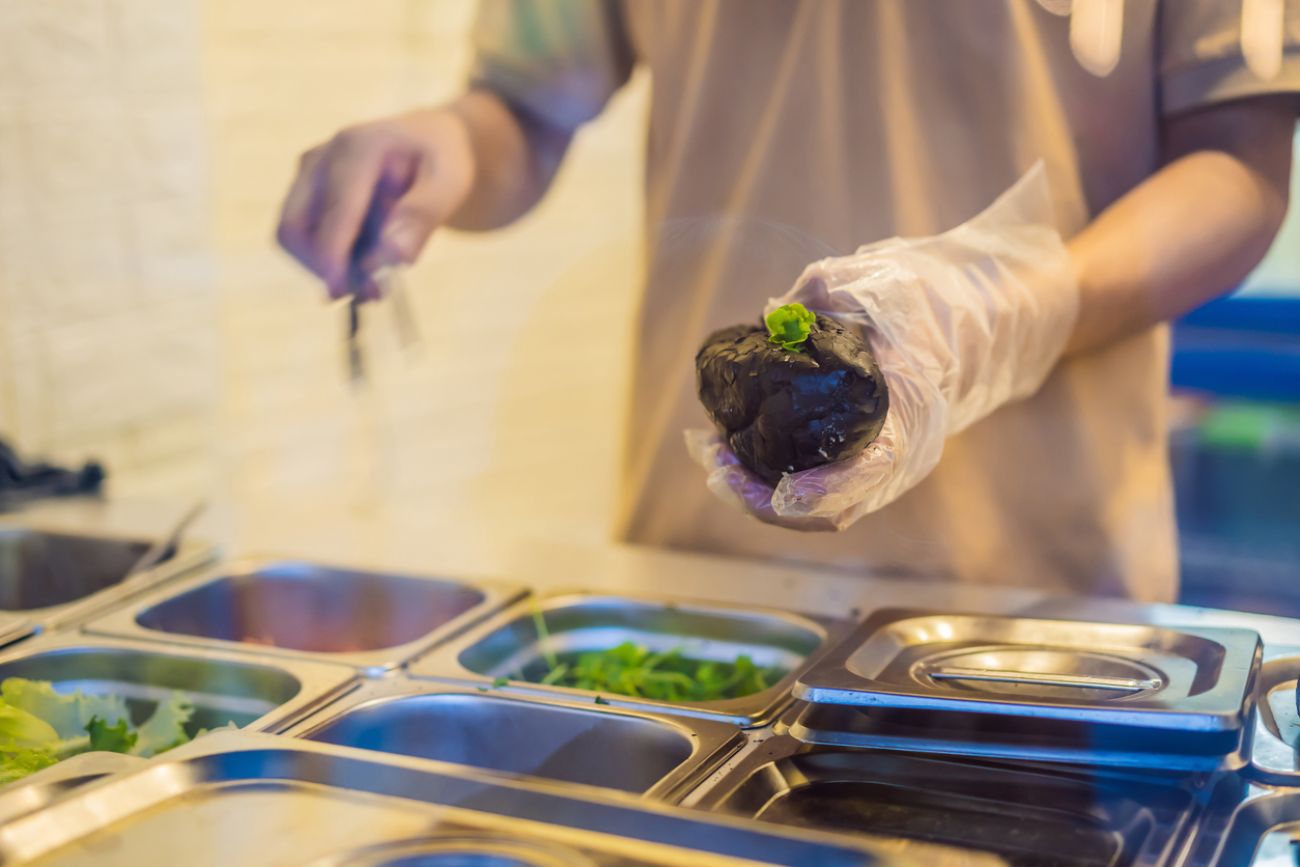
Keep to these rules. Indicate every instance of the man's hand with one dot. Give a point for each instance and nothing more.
(373, 194)
(393, 181)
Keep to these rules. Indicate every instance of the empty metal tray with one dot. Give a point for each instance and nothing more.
(57, 578)
(372, 620)
(632, 751)
(1015, 815)
(1275, 755)
(236, 798)
(1189, 679)
(509, 646)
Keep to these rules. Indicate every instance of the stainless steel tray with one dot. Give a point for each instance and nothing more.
(971, 810)
(261, 695)
(245, 799)
(372, 620)
(1022, 738)
(1262, 831)
(1191, 679)
(508, 644)
(48, 785)
(14, 628)
(1275, 756)
(55, 578)
(632, 751)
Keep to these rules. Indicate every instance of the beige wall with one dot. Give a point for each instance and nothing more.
(107, 296)
(144, 147)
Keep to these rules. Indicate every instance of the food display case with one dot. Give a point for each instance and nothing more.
(386, 717)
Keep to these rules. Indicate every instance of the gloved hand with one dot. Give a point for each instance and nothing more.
(959, 323)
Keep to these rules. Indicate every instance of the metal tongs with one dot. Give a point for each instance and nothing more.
(390, 279)
(392, 287)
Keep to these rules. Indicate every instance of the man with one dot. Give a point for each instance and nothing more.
(774, 122)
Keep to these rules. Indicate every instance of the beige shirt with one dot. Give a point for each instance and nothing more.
(784, 131)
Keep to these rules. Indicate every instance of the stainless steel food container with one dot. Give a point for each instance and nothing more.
(1275, 755)
(1019, 738)
(629, 750)
(261, 695)
(55, 578)
(255, 799)
(1189, 679)
(970, 810)
(289, 608)
(509, 644)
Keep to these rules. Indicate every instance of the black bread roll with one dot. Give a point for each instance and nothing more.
(782, 410)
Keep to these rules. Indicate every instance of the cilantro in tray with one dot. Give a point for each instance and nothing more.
(633, 670)
(40, 727)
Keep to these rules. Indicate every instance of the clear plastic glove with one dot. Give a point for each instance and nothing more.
(959, 323)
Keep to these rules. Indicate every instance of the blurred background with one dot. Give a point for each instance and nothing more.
(147, 319)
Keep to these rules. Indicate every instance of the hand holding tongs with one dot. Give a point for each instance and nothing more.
(389, 280)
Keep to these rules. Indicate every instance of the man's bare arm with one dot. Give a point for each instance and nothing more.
(516, 156)
(1195, 228)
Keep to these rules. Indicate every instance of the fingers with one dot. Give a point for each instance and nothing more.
(348, 181)
(733, 483)
(410, 219)
(325, 210)
(296, 224)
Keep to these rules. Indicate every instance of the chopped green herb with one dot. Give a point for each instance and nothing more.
(633, 670)
(789, 326)
(499, 682)
(601, 700)
(116, 738)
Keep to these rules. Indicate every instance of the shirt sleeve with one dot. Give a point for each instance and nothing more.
(558, 60)
(1201, 59)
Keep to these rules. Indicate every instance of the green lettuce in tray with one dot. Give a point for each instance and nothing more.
(40, 727)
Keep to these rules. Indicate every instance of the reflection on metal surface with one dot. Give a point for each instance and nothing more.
(1031, 739)
(369, 619)
(1263, 831)
(509, 646)
(1196, 679)
(245, 799)
(1275, 757)
(465, 850)
(46, 786)
(1032, 678)
(620, 749)
(1023, 816)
